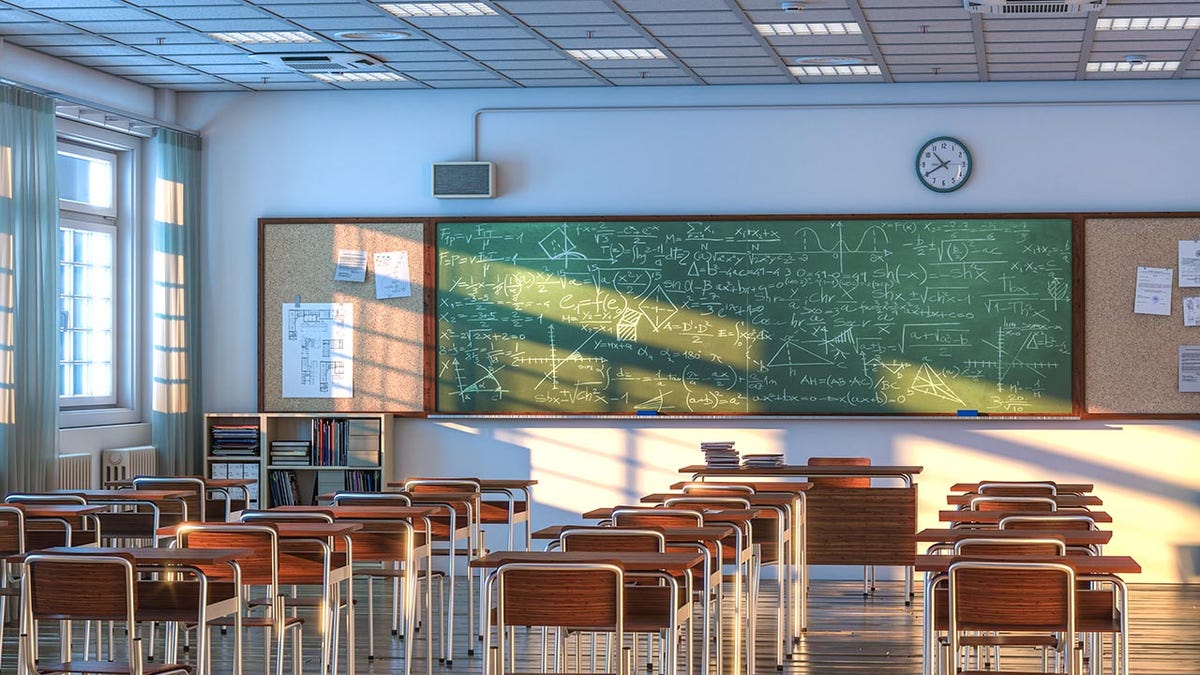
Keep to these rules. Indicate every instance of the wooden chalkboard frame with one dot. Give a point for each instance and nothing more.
(383, 335)
(1077, 325)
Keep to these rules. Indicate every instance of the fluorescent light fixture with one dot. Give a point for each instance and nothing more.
(616, 54)
(1128, 67)
(371, 35)
(790, 29)
(285, 37)
(358, 77)
(1150, 23)
(833, 71)
(424, 9)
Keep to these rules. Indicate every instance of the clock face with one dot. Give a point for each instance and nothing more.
(944, 164)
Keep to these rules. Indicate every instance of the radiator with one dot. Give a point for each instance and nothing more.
(118, 464)
(75, 471)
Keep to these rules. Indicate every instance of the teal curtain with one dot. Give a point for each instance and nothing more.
(176, 419)
(28, 292)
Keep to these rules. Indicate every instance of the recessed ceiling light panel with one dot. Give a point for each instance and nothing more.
(829, 60)
(358, 77)
(265, 38)
(1133, 66)
(820, 29)
(616, 54)
(1150, 23)
(426, 9)
(835, 71)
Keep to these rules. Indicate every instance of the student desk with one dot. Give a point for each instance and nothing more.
(951, 535)
(1061, 488)
(379, 523)
(192, 560)
(130, 524)
(935, 568)
(66, 516)
(673, 566)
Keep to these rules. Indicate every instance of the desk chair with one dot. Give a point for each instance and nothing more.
(261, 568)
(12, 542)
(77, 587)
(1054, 521)
(395, 571)
(562, 596)
(309, 562)
(424, 492)
(1017, 488)
(194, 506)
(711, 576)
(648, 607)
(993, 503)
(845, 482)
(1011, 604)
(50, 532)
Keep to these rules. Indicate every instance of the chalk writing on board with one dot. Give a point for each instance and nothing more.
(761, 316)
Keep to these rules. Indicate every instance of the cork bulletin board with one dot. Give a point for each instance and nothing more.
(1132, 359)
(297, 259)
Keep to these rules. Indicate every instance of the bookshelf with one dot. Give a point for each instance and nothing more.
(301, 455)
(233, 449)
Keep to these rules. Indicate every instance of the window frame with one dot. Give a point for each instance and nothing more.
(127, 404)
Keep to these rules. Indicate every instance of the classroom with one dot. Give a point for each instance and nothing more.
(748, 120)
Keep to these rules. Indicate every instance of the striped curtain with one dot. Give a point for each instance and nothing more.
(28, 292)
(176, 418)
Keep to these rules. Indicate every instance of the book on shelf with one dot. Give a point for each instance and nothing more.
(362, 481)
(284, 488)
(234, 439)
(290, 452)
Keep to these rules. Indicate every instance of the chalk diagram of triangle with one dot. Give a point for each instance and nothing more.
(558, 246)
(658, 308)
(792, 354)
(927, 381)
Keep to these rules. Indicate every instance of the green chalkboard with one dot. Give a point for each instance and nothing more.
(754, 316)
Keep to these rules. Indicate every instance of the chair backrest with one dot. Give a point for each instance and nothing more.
(314, 516)
(22, 498)
(718, 489)
(1034, 597)
(12, 531)
(701, 502)
(1017, 488)
(371, 499)
(990, 503)
(1049, 521)
(419, 485)
(261, 567)
(195, 500)
(615, 539)
(79, 587)
(1028, 546)
(835, 481)
(650, 517)
(586, 596)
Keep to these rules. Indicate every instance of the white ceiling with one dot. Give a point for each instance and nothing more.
(165, 43)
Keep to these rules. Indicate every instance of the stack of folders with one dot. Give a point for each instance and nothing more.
(290, 453)
(230, 440)
(720, 454)
(762, 461)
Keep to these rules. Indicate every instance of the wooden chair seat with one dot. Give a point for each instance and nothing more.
(110, 668)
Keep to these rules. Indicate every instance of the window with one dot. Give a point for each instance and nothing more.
(97, 277)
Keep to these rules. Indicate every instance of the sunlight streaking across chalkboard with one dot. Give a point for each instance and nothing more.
(755, 316)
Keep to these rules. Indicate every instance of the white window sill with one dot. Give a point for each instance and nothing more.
(96, 417)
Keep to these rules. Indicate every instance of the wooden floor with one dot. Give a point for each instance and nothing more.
(847, 634)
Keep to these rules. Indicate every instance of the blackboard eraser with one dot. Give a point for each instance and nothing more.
(968, 413)
(647, 413)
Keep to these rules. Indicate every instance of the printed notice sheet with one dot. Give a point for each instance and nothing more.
(351, 266)
(318, 350)
(1191, 310)
(391, 275)
(1153, 294)
(1189, 367)
(1189, 263)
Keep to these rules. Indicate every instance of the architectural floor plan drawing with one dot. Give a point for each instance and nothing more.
(318, 350)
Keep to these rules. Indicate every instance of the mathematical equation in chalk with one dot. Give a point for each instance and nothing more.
(747, 317)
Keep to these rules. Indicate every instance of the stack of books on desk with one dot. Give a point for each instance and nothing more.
(720, 455)
(764, 460)
(290, 453)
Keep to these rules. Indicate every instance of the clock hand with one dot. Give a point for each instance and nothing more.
(935, 155)
(939, 166)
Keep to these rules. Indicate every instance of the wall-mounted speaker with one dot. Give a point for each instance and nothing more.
(464, 180)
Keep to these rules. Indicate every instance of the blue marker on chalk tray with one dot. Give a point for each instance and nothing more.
(968, 413)
(647, 413)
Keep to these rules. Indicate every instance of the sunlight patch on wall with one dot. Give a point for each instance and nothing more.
(917, 387)
(171, 368)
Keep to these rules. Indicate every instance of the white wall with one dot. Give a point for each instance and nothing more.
(786, 150)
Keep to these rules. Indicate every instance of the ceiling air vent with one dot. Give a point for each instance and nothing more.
(319, 63)
(1033, 7)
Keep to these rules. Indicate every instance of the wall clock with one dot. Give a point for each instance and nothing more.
(944, 164)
